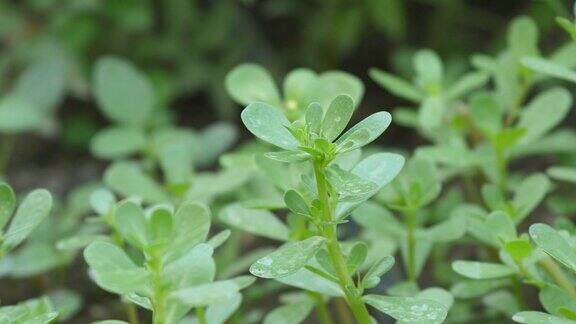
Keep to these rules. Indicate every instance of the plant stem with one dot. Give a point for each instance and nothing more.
(158, 295)
(411, 244)
(321, 309)
(353, 297)
(132, 313)
(558, 275)
(201, 315)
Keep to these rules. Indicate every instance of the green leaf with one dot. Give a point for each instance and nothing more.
(543, 113)
(523, 37)
(378, 269)
(255, 221)
(288, 259)
(123, 93)
(313, 118)
(292, 313)
(207, 294)
(396, 85)
(333, 83)
(429, 71)
(482, 270)
(296, 203)
(250, 83)
(528, 195)
(160, 226)
(221, 312)
(177, 162)
(408, 309)
(380, 169)
(551, 242)
(192, 224)
(43, 84)
(216, 139)
(194, 268)
(431, 113)
(350, 187)
(131, 223)
(309, 281)
(518, 249)
(298, 88)
(466, 84)
(357, 256)
(561, 173)
(7, 204)
(31, 212)
(554, 299)
(113, 270)
(486, 113)
(17, 115)
(550, 68)
(269, 125)
(337, 117)
(118, 142)
(129, 180)
(364, 132)
(476, 288)
(532, 317)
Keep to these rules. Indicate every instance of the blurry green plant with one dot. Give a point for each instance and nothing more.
(173, 271)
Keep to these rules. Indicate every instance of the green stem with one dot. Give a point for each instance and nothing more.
(158, 294)
(410, 216)
(132, 313)
(353, 297)
(321, 309)
(558, 275)
(201, 315)
(502, 165)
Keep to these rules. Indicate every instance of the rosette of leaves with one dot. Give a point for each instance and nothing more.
(330, 193)
(142, 124)
(250, 83)
(170, 269)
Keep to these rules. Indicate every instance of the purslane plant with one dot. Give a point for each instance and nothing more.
(328, 196)
(173, 271)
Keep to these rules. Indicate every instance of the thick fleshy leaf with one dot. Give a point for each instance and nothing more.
(250, 83)
(207, 294)
(298, 88)
(337, 117)
(31, 212)
(192, 224)
(551, 242)
(288, 259)
(543, 113)
(431, 113)
(486, 113)
(117, 142)
(523, 37)
(219, 313)
(307, 280)
(396, 85)
(466, 84)
(331, 84)
(532, 317)
(292, 313)
(313, 117)
(256, 221)
(216, 139)
(380, 169)
(7, 204)
(476, 288)
(193, 268)
(529, 194)
(364, 132)
(349, 186)
(113, 270)
(129, 180)
(429, 71)
(409, 309)
(482, 270)
(131, 223)
(123, 93)
(269, 125)
(550, 68)
(18, 115)
(562, 173)
(43, 83)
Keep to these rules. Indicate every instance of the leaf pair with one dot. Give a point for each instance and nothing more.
(30, 213)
